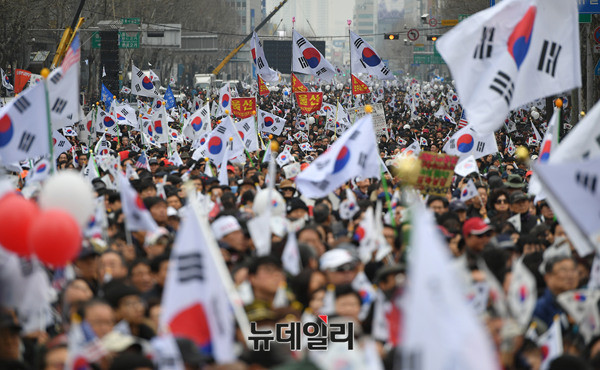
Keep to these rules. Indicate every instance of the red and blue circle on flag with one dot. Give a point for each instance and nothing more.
(6, 130)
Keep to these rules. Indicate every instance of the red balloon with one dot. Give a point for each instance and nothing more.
(16, 217)
(55, 237)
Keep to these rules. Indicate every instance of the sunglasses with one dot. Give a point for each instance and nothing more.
(501, 201)
(288, 189)
(484, 235)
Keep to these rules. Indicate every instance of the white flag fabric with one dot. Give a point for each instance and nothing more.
(284, 158)
(5, 81)
(247, 131)
(466, 142)
(354, 154)
(258, 56)
(141, 84)
(522, 294)
(124, 114)
(24, 127)
(218, 139)
(511, 54)
(307, 59)
(198, 123)
(536, 133)
(440, 327)
(63, 89)
(39, 172)
(469, 191)
(571, 188)
(153, 76)
(60, 143)
(137, 217)
(160, 126)
(412, 150)
(511, 149)
(581, 142)
(364, 59)
(342, 121)
(166, 354)
(290, 258)
(104, 123)
(224, 100)
(551, 344)
(194, 304)
(223, 179)
(466, 166)
(270, 123)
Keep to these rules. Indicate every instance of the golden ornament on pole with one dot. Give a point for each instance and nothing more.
(406, 169)
(522, 154)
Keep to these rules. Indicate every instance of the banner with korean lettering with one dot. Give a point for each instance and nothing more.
(297, 85)
(21, 78)
(309, 102)
(262, 87)
(436, 174)
(359, 87)
(243, 107)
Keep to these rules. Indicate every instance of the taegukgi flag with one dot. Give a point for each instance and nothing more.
(511, 54)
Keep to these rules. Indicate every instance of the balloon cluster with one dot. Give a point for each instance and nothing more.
(52, 231)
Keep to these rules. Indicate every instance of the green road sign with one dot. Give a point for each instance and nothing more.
(131, 20)
(125, 41)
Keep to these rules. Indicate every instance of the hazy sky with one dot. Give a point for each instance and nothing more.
(339, 12)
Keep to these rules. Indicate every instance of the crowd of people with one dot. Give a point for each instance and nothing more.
(116, 283)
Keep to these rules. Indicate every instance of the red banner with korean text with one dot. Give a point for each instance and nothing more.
(243, 107)
(309, 102)
(21, 78)
(359, 87)
(297, 86)
(262, 87)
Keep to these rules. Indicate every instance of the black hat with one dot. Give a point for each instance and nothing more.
(153, 161)
(514, 182)
(517, 196)
(296, 203)
(387, 270)
(130, 360)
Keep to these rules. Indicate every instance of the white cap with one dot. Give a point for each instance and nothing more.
(335, 258)
(224, 226)
(172, 212)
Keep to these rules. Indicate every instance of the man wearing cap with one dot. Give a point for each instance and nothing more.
(514, 183)
(339, 266)
(297, 209)
(153, 162)
(231, 239)
(287, 188)
(477, 235)
(521, 219)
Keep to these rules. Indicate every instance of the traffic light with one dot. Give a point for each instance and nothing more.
(392, 36)
(432, 37)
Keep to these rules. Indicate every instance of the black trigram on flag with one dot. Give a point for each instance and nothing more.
(221, 130)
(22, 104)
(503, 85)
(303, 62)
(549, 57)
(56, 78)
(59, 105)
(484, 50)
(588, 181)
(301, 41)
(246, 127)
(260, 63)
(189, 267)
(358, 42)
(26, 141)
(140, 74)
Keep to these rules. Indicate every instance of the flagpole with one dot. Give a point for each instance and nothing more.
(350, 50)
(292, 95)
(45, 72)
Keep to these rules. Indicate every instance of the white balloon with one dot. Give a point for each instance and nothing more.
(261, 202)
(535, 115)
(327, 87)
(433, 103)
(311, 120)
(69, 191)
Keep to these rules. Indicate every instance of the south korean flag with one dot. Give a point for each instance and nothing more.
(105, 123)
(141, 84)
(364, 59)
(307, 59)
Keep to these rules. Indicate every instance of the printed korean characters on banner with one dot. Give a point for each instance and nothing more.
(309, 102)
(243, 107)
(436, 174)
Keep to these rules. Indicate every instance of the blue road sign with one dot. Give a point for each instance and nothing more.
(589, 6)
